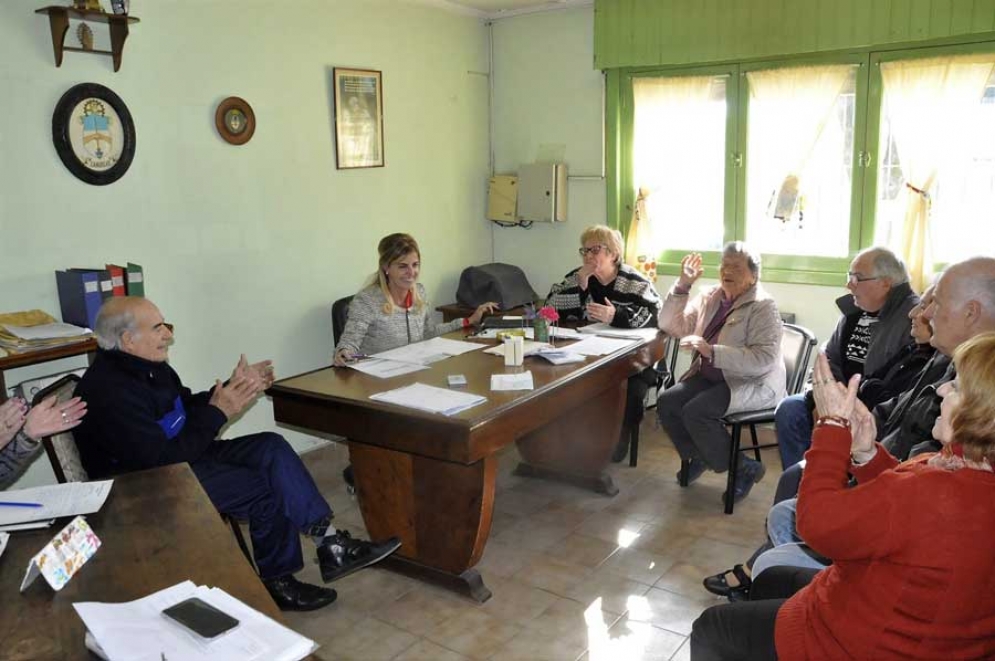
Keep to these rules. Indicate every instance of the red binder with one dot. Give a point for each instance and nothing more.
(117, 279)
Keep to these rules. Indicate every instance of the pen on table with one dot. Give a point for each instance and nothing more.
(11, 504)
(357, 356)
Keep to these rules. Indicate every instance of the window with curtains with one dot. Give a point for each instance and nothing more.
(811, 160)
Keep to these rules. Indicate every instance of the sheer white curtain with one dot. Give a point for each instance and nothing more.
(789, 109)
(929, 103)
(679, 160)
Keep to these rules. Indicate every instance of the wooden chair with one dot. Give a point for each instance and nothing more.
(797, 345)
(68, 465)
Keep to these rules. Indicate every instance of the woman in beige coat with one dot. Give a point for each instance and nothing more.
(734, 331)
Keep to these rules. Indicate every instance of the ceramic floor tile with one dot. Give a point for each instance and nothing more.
(371, 639)
(517, 603)
(638, 565)
(615, 528)
(616, 593)
(503, 560)
(473, 633)
(585, 551)
(636, 641)
(426, 650)
(551, 574)
(421, 609)
(533, 535)
(532, 645)
(669, 610)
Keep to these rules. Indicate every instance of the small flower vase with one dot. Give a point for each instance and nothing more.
(541, 328)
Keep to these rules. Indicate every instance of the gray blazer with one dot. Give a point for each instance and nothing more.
(748, 348)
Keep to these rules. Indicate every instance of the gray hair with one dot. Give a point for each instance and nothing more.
(740, 248)
(111, 326)
(886, 264)
(976, 282)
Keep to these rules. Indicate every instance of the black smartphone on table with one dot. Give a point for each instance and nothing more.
(201, 618)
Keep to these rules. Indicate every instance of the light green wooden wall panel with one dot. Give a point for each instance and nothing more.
(675, 32)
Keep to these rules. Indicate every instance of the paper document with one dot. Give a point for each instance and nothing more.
(56, 500)
(610, 331)
(4, 538)
(138, 630)
(383, 368)
(46, 331)
(561, 356)
(521, 381)
(565, 333)
(530, 348)
(429, 351)
(34, 525)
(429, 398)
(595, 345)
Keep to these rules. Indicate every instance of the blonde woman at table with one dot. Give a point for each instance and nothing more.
(393, 311)
(22, 428)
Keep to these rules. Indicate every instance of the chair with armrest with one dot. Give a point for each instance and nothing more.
(68, 465)
(340, 314)
(797, 345)
(665, 369)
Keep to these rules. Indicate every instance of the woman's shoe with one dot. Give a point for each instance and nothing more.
(719, 584)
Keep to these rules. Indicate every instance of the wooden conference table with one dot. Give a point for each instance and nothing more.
(157, 528)
(429, 479)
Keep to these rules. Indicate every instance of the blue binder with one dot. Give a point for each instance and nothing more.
(79, 297)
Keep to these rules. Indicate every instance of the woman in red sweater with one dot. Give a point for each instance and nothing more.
(913, 573)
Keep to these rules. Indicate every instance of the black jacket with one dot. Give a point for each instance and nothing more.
(907, 420)
(133, 420)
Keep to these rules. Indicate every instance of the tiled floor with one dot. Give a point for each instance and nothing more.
(575, 575)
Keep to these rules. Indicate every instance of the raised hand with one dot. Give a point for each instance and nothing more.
(864, 429)
(236, 395)
(51, 417)
(603, 313)
(482, 309)
(831, 397)
(691, 270)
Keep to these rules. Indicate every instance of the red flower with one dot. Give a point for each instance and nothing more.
(549, 313)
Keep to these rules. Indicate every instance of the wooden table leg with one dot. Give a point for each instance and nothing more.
(440, 510)
(577, 447)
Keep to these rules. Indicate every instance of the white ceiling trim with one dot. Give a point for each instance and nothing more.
(551, 5)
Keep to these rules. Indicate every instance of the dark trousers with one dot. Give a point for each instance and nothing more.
(260, 478)
(635, 397)
(691, 413)
(745, 629)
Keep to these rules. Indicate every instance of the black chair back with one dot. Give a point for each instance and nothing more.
(61, 448)
(797, 345)
(340, 314)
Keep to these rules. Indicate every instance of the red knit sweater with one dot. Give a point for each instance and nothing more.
(913, 549)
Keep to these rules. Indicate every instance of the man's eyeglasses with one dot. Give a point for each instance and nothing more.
(856, 278)
(593, 250)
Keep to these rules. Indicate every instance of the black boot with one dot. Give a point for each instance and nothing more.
(340, 555)
(292, 595)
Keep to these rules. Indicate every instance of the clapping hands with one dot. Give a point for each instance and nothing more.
(833, 399)
(246, 383)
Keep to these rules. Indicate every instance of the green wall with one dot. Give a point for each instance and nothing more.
(668, 32)
(246, 247)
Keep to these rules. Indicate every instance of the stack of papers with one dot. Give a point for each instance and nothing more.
(138, 631)
(20, 508)
(429, 398)
(561, 356)
(520, 381)
(34, 329)
(596, 345)
(429, 351)
(610, 331)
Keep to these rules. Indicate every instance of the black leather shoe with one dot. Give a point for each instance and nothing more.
(750, 472)
(292, 595)
(696, 468)
(340, 555)
(719, 584)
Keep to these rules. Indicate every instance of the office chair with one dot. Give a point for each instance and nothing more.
(797, 345)
(340, 314)
(665, 369)
(67, 464)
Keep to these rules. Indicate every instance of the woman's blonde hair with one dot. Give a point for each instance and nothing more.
(606, 236)
(392, 248)
(973, 423)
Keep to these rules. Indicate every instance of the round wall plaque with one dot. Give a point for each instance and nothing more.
(235, 120)
(93, 134)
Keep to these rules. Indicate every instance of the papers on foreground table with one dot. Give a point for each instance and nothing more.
(430, 398)
(138, 631)
(56, 500)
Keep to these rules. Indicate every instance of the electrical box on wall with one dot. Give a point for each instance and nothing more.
(542, 192)
(502, 196)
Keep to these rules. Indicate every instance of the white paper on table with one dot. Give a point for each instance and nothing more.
(46, 331)
(430, 398)
(57, 500)
(561, 356)
(138, 630)
(565, 333)
(595, 345)
(530, 348)
(519, 381)
(383, 368)
(34, 525)
(429, 351)
(610, 331)
(4, 538)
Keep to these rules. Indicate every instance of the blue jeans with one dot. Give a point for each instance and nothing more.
(789, 549)
(260, 478)
(793, 423)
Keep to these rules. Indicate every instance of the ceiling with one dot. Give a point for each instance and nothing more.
(502, 8)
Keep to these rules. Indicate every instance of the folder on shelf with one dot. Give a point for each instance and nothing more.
(105, 284)
(134, 280)
(79, 297)
(117, 279)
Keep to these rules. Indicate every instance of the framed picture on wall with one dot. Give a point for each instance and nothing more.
(358, 118)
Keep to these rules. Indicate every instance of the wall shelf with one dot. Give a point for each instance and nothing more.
(58, 19)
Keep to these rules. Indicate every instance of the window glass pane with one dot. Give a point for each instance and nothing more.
(679, 157)
(799, 159)
(963, 196)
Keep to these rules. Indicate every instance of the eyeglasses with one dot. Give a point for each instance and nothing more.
(593, 250)
(856, 278)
